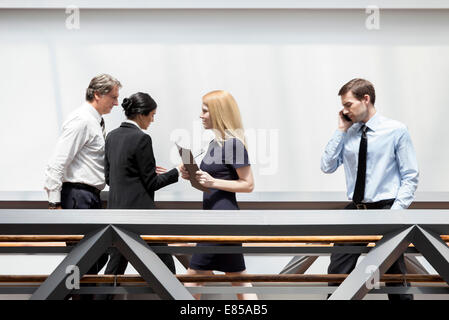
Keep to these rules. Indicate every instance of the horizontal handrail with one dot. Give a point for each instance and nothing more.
(274, 223)
(204, 239)
(318, 278)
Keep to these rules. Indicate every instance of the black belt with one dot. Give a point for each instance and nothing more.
(374, 205)
(82, 186)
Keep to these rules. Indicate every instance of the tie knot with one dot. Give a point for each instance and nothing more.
(102, 122)
(364, 128)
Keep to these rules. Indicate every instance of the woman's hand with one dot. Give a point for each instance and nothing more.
(160, 170)
(205, 179)
(184, 173)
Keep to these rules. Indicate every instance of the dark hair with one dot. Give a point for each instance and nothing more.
(138, 103)
(359, 87)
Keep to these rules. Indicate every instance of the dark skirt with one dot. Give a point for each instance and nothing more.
(224, 262)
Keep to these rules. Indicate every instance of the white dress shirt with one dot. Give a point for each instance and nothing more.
(391, 165)
(79, 154)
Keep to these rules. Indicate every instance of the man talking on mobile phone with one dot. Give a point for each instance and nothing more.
(379, 161)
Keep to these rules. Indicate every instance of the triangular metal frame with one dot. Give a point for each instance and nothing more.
(386, 252)
(167, 286)
(298, 265)
(149, 266)
(131, 246)
(434, 249)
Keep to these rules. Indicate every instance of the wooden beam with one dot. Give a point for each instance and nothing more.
(198, 239)
(319, 278)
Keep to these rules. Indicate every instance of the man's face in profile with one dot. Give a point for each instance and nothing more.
(355, 109)
(107, 101)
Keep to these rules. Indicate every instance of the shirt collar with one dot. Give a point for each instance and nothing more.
(375, 121)
(372, 124)
(134, 123)
(90, 108)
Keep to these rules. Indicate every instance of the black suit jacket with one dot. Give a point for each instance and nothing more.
(130, 169)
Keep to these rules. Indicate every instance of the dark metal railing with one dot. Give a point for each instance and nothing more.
(122, 229)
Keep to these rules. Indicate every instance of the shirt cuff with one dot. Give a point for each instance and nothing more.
(54, 196)
(396, 206)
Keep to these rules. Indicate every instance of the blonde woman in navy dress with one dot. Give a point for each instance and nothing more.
(225, 170)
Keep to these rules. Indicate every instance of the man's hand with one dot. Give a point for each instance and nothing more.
(343, 124)
(54, 206)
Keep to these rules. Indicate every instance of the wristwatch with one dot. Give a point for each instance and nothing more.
(54, 205)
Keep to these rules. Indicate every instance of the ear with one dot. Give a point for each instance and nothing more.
(367, 98)
(97, 96)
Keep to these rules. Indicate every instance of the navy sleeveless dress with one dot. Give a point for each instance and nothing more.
(221, 162)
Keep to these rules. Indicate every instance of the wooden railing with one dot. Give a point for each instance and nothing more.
(196, 239)
(307, 278)
(58, 240)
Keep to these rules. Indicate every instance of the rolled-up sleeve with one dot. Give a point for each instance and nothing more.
(74, 136)
(333, 154)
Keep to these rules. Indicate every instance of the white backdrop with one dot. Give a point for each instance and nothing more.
(284, 67)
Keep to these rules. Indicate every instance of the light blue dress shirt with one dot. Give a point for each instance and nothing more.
(391, 166)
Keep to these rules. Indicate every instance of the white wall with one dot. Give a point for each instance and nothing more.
(283, 66)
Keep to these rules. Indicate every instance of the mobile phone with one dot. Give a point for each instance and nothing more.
(346, 117)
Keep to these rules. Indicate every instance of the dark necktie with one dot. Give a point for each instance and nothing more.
(103, 128)
(359, 190)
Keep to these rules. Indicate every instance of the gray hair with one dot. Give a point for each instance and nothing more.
(101, 84)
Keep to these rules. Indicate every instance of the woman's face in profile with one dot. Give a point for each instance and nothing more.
(205, 117)
(146, 120)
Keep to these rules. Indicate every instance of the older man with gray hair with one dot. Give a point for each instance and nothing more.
(74, 176)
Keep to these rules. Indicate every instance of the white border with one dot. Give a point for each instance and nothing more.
(224, 4)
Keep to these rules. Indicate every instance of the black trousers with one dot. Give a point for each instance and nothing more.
(75, 198)
(118, 263)
(344, 263)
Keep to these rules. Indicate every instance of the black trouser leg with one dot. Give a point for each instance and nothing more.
(72, 198)
(398, 267)
(344, 263)
(117, 263)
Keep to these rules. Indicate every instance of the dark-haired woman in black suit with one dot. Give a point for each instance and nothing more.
(130, 168)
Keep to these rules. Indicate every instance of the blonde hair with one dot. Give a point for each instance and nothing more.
(225, 116)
